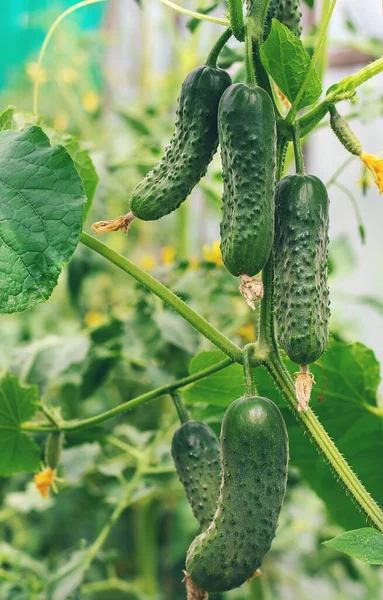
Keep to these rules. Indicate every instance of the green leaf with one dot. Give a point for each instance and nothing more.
(82, 162)
(177, 331)
(41, 214)
(18, 403)
(287, 62)
(344, 398)
(41, 362)
(310, 3)
(6, 118)
(220, 388)
(364, 544)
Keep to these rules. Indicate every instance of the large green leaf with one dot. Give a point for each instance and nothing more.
(364, 544)
(286, 60)
(41, 214)
(18, 404)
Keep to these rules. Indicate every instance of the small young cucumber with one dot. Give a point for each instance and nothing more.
(190, 150)
(302, 306)
(247, 135)
(196, 453)
(254, 447)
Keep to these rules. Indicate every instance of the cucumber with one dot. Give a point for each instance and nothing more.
(254, 448)
(53, 449)
(196, 453)
(289, 13)
(302, 306)
(190, 150)
(247, 135)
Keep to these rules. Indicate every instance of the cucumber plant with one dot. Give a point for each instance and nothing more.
(271, 223)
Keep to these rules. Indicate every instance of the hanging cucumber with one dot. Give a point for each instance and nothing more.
(247, 135)
(254, 448)
(195, 450)
(302, 306)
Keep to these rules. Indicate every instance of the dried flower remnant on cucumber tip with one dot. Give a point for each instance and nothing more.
(124, 222)
(251, 289)
(304, 381)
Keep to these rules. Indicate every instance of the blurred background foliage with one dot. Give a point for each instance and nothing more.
(111, 77)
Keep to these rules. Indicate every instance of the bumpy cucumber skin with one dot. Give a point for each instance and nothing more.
(190, 150)
(254, 446)
(247, 135)
(196, 453)
(289, 13)
(302, 305)
(286, 12)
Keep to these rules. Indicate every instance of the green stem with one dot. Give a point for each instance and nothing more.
(195, 15)
(322, 55)
(299, 162)
(126, 406)
(342, 90)
(111, 585)
(182, 411)
(218, 47)
(249, 63)
(324, 443)
(236, 19)
(322, 36)
(105, 531)
(146, 559)
(248, 353)
(198, 322)
(257, 18)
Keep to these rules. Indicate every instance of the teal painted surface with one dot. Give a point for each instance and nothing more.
(24, 23)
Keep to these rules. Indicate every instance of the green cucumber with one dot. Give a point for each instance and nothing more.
(196, 453)
(254, 448)
(53, 449)
(190, 150)
(247, 135)
(302, 306)
(289, 13)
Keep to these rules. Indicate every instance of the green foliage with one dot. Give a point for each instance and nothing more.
(287, 62)
(364, 544)
(43, 191)
(18, 404)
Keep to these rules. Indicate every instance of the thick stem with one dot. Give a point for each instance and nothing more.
(182, 411)
(126, 406)
(248, 353)
(299, 162)
(324, 443)
(218, 47)
(249, 64)
(198, 322)
(236, 19)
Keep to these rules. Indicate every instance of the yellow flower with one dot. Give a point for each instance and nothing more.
(213, 254)
(90, 101)
(147, 262)
(35, 74)
(247, 332)
(375, 165)
(67, 75)
(44, 481)
(61, 121)
(93, 318)
(168, 254)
